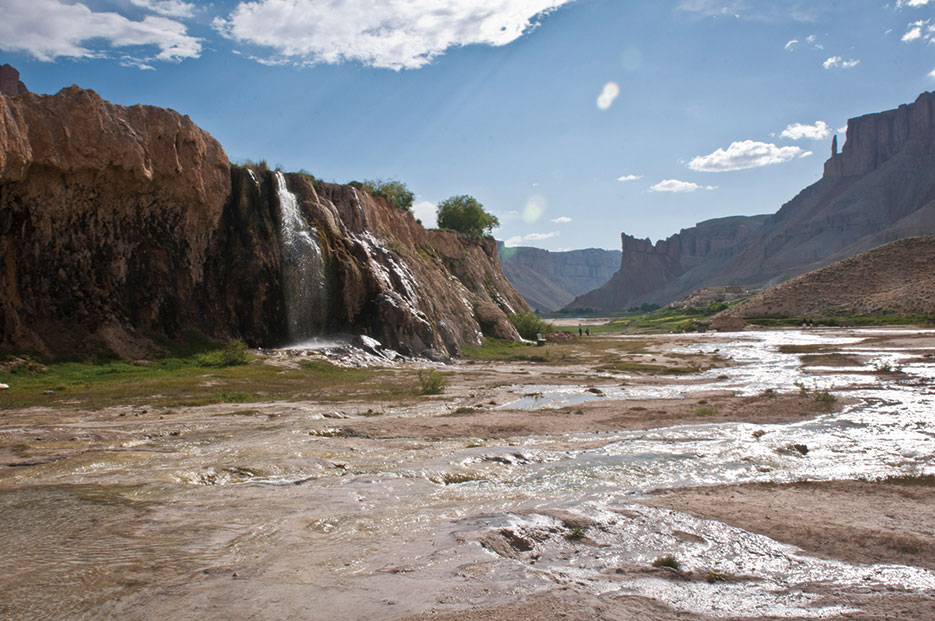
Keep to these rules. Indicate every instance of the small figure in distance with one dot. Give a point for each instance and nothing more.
(579, 330)
(587, 331)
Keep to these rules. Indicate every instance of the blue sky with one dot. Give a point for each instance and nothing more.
(571, 120)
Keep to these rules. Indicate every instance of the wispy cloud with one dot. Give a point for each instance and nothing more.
(518, 240)
(630, 178)
(393, 34)
(48, 29)
(674, 185)
(913, 3)
(836, 62)
(169, 8)
(561, 220)
(745, 154)
(797, 131)
(810, 41)
(755, 10)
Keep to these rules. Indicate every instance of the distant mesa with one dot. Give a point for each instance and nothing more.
(549, 280)
(880, 187)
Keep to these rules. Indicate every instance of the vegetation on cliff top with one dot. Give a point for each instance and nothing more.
(464, 214)
(395, 191)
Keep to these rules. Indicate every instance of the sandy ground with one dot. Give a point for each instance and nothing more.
(854, 521)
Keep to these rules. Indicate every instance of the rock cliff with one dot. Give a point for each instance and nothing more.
(550, 280)
(121, 226)
(647, 271)
(879, 188)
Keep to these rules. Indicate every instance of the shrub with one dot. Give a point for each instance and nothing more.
(667, 561)
(528, 324)
(465, 215)
(575, 533)
(395, 191)
(432, 382)
(825, 400)
(234, 353)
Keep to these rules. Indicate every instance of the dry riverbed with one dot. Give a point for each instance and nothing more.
(786, 473)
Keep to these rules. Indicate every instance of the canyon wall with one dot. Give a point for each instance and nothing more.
(549, 280)
(879, 188)
(121, 227)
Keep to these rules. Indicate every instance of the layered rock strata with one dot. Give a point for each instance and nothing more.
(124, 226)
(879, 188)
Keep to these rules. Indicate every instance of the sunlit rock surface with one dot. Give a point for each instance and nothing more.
(124, 225)
(878, 189)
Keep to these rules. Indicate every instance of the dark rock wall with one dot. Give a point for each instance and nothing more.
(123, 226)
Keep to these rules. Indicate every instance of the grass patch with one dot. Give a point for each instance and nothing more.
(825, 400)
(829, 360)
(432, 382)
(705, 411)
(667, 561)
(576, 533)
(191, 381)
(501, 350)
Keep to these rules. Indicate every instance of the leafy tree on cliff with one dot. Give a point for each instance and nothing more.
(392, 189)
(465, 215)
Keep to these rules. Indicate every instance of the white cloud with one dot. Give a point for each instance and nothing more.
(797, 131)
(531, 237)
(629, 178)
(836, 62)
(922, 29)
(810, 41)
(913, 3)
(561, 220)
(745, 154)
(534, 208)
(674, 185)
(426, 212)
(169, 8)
(392, 34)
(47, 29)
(606, 99)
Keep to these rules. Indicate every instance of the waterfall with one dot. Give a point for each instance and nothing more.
(305, 283)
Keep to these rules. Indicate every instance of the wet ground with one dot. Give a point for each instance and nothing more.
(525, 490)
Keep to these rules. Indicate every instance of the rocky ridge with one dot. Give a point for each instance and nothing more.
(122, 226)
(879, 188)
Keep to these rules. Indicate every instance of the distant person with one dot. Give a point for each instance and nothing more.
(587, 331)
(579, 331)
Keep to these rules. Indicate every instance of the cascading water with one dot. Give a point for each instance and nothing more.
(305, 283)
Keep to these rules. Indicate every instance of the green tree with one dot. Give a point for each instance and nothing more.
(465, 215)
(392, 189)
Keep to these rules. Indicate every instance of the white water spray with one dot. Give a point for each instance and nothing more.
(303, 268)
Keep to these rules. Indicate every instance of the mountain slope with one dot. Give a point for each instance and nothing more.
(894, 279)
(879, 188)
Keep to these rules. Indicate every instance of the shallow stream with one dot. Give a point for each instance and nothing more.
(204, 514)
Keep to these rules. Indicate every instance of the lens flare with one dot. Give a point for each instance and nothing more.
(606, 99)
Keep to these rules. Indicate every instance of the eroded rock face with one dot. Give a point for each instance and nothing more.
(106, 213)
(123, 225)
(879, 188)
(646, 268)
(10, 83)
(873, 139)
(549, 280)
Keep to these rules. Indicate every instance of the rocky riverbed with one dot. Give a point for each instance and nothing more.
(767, 474)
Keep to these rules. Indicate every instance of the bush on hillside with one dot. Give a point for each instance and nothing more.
(395, 191)
(529, 324)
(465, 215)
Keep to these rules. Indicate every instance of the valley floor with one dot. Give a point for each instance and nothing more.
(764, 474)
